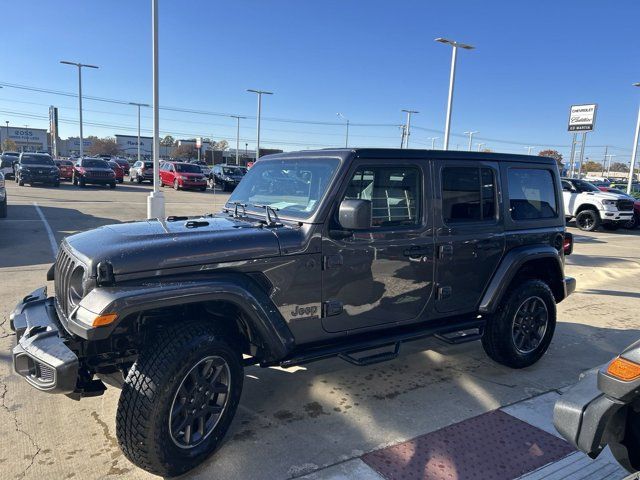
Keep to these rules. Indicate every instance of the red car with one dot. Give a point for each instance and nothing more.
(118, 170)
(635, 221)
(66, 169)
(181, 175)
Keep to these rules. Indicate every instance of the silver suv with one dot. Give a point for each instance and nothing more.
(141, 171)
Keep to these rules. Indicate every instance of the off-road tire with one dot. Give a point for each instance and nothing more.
(497, 339)
(588, 220)
(142, 419)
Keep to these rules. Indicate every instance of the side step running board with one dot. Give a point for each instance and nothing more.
(462, 336)
(370, 359)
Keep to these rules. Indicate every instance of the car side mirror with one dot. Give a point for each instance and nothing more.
(567, 189)
(355, 214)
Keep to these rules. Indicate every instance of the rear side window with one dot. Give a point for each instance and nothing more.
(468, 194)
(394, 193)
(531, 194)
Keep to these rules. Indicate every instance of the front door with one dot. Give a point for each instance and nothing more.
(470, 235)
(382, 275)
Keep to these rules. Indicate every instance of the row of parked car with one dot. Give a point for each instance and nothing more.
(30, 168)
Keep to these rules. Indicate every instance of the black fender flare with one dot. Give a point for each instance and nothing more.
(263, 317)
(509, 267)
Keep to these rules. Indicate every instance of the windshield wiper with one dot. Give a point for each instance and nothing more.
(270, 212)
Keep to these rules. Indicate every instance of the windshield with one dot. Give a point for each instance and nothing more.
(94, 163)
(187, 168)
(292, 187)
(148, 164)
(36, 160)
(233, 171)
(583, 186)
(64, 163)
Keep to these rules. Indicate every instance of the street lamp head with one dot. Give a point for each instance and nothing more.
(410, 111)
(453, 43)
(76, 64)
(139, 104)
(259, 92)
(637, 84)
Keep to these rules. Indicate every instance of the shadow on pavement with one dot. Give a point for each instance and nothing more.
(24, 239)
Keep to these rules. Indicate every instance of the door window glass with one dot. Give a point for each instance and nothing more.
(531, 194)
(468, 194)
(394, 193)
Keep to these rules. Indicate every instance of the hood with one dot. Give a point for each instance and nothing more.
(153, 244)
(39, 166)
(606, 195)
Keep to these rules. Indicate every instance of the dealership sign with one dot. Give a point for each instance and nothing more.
(582, 117)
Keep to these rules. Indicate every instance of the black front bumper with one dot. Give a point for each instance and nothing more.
(37, 178)
(99, 180)
(41, 355)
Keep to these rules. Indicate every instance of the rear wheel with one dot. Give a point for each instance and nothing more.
(112, 185)
(633, 223)
(520, 331)
(179, 399)
(138, 178)
(82, 183)
(20, 181)
(588, 220)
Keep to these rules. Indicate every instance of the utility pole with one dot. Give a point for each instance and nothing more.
(471, 134)
(604, 162)
(155, 200)
(79, 65)
(452, 78)
(632, 167)
(403, 132)
(433, 142)
(346, 140)
(259, 93)
(609, 167)
(237, 117)
(529, 148)
(139, 105)
(480, 145)
(408, 126)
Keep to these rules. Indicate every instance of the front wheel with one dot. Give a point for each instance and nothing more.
(520, 331)
(3, 209)
(179, 399)
(588, 220)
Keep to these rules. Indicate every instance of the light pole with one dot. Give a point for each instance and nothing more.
(529, 148)
(452, 79)
(79, 65)
(346, 140)
(610, 156)
(433, 142)
(635, 149)
(259, 93)
(237, 117)
(480, 145)
(408, 126)
(7, 124)
(139, 105)
(471, 134)
(155, 200)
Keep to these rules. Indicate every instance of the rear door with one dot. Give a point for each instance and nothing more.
(382, 275)
(470, 235)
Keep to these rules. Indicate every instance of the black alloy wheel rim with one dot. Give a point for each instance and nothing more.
(199, 402)
(530, 325)
(586, 221)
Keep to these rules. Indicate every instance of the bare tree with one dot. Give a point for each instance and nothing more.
(103, 146)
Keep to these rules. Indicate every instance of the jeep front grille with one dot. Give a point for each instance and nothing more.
(63, 270)
(625, 205)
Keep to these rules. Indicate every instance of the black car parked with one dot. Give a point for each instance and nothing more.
(93, 171)
(35, 168)
(316, 254)
(226, 176)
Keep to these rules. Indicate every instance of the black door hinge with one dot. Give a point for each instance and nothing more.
(444, 292)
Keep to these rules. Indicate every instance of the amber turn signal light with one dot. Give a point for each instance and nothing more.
(105, 319)
(624, 370)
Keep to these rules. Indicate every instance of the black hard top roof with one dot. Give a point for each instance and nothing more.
(411, 154)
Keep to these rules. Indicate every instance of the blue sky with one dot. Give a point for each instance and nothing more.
(366, 59)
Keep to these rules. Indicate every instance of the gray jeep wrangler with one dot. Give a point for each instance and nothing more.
(316, 254)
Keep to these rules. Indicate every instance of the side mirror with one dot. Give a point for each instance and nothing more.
(355, 214)
(567, 189)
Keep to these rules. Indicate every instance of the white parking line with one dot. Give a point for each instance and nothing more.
(52, 238)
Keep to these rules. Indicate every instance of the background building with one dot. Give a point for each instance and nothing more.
(26, 139)
(128, 145)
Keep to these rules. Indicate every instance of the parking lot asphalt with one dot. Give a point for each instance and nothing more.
(302, 420)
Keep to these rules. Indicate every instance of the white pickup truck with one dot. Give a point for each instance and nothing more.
(593, 208)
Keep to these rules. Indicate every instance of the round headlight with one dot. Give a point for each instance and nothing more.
(76, 288)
